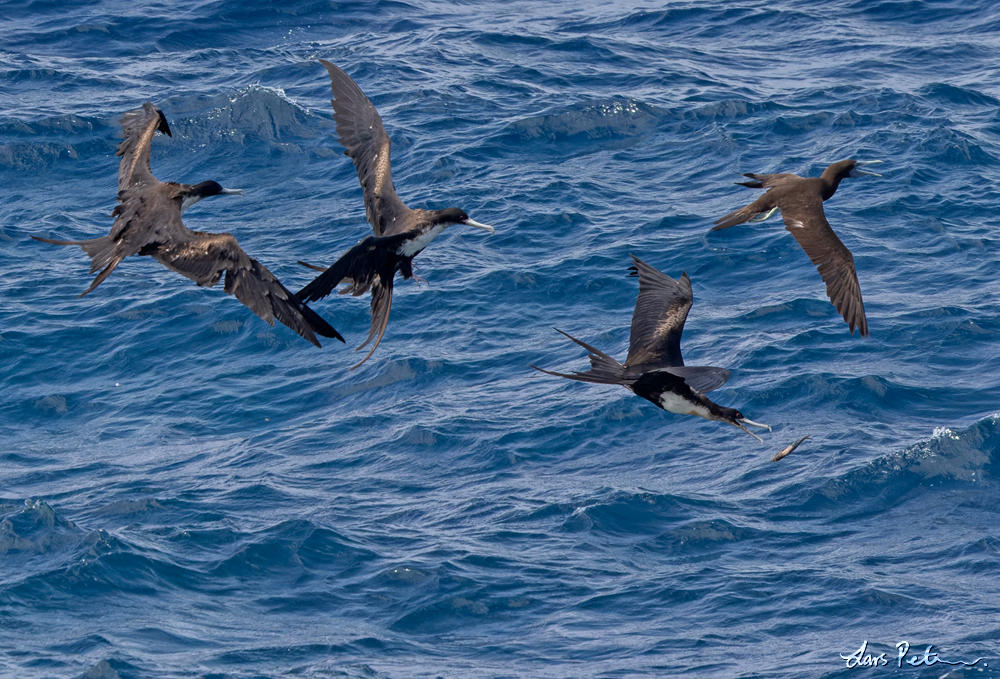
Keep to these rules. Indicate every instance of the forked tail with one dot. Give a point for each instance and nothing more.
(104, 254)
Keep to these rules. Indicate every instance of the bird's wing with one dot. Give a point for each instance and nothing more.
(806, 221)
(360, 266)
(139, 126)
(699, 378)
(763, 205)
(367, 143)
(205, 257)
(658, 320)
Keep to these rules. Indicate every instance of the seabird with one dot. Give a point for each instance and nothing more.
(148, 223)
(400, 232)
(654, 368)
(800, 200)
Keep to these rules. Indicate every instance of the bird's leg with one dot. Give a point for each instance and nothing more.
(417, 279)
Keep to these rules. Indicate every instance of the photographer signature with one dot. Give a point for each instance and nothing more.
(862, 658)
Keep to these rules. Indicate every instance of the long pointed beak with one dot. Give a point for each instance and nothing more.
(484, 227)
(757, 424)
(857, 173)
(740, 426)
(233, 192)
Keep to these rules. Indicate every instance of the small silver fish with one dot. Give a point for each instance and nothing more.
(788, 450)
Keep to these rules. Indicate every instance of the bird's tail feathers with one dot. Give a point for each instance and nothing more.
(104, 252)
(359, 266)
(381, 306)
(603, 368)
(312, 266)
(757, 182)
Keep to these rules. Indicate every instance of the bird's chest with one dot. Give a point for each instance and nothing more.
(673, 403)
(410, 247)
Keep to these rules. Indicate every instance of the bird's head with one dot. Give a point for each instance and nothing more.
(737, 419)
(842, 170)
(193, 194)
(454, 215)
(849, 168)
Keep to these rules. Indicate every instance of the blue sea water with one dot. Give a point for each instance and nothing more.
(186, 492)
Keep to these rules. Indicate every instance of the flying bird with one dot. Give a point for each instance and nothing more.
(401, 233)
(800, 200)
(148, 223)
(654, 368)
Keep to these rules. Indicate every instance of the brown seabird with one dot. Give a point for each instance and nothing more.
(654, 368)
(401, 233)
(800, 200)
(148, 223)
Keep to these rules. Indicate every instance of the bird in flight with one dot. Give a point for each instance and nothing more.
(148, 223)
(800, 200)
(654, 368)
(400, 233)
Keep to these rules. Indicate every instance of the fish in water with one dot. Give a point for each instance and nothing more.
(787, 450)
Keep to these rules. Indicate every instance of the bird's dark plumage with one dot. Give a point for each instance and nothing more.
(401, 233)
(148, 223)
(800, 200)
(654, 368)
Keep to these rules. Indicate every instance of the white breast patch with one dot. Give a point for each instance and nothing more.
(411, 247)
(675, 404)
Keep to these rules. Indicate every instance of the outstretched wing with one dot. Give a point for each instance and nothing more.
(139, 126)
(807, 222)
(205, 257)
(658, 319)
(360, 266)
(367, 143)
(763, 206)
(699, 378)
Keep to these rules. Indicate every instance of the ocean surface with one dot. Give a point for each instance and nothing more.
(187, 492)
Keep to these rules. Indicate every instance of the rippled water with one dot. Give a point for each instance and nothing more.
(186, 492)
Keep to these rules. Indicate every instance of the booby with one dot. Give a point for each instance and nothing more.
(148, 223)
(800, 200)
(655, 368)
(401, 233)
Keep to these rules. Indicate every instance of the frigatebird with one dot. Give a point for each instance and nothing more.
(148, 223)
(655, 368)
(401, 233)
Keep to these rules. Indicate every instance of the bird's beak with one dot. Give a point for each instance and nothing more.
(233, 192)
(737, 424)
(757, 424)
(857, 173)
(484, 227)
